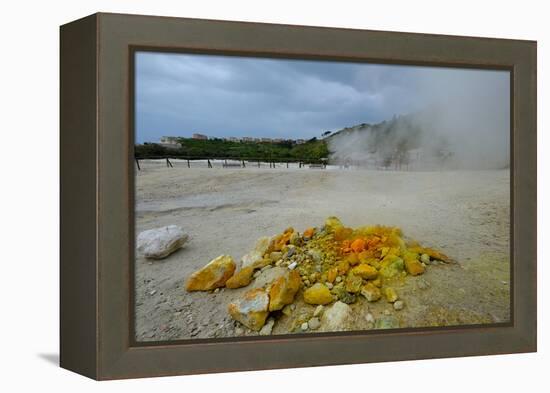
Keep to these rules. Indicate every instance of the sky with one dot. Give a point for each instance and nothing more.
(224, 96)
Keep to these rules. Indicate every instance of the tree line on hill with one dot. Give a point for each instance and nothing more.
(312, 150)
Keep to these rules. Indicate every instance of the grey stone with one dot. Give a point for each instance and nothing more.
(290, 252)
(314, 323)
(267, 328)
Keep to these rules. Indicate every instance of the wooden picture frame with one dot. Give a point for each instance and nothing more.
(97, 165)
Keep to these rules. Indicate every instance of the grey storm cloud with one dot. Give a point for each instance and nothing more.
(222, 96)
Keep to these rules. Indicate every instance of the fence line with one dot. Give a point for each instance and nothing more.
(314, 163)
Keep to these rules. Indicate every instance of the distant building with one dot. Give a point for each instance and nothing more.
(268, 140)
(248, 139)
(278, 140)
(200, 136)
(171, 142)
(233, 139)
(300, 141)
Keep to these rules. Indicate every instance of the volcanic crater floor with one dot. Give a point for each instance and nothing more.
(463, 214)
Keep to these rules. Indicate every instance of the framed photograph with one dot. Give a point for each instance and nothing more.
(243, 196)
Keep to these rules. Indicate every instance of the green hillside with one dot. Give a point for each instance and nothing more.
(312, 150)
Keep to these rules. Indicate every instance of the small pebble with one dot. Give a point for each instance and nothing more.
(338, 279)
(153, 292)
(216, 290)
(293, 307)
(398, 305)
(329, 285)
(314, 323)
(424, 258)
(292, 265)
(387, 312)
(370, 318)
(423, 284)
(239, 331)
(304, 326)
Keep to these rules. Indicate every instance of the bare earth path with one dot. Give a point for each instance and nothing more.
(463, 214)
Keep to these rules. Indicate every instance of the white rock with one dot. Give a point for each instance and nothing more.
(292, 265)
(158, 243)
(336, 317)
(370, 318)
(398, 305)
(256, 255)
(304, 326)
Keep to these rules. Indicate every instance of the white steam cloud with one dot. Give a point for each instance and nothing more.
(463, 123)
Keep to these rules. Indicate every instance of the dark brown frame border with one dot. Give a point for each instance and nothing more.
(97, 200)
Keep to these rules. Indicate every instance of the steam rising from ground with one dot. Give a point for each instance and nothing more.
(463, 123)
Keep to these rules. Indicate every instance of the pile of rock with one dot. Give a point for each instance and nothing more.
(331, 265)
